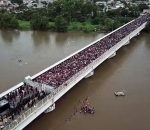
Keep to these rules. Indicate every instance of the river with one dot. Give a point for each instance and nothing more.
(36, 50)
(128, 71)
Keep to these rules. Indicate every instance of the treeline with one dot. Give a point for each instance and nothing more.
(8, 21)
(68, 15)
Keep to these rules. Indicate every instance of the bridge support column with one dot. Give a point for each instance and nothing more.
(138, 33)
(49, 109)
(114, 54)
(128, 42)
(89, 74)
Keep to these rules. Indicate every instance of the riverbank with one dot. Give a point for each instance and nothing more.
(72, 27)
(87, 26)
(66, 16)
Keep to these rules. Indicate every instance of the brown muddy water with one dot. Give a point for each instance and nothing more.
(128, 71)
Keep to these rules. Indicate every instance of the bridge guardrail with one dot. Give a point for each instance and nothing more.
(90, 66)
(73, 78)
(27, 113)
(42, 102)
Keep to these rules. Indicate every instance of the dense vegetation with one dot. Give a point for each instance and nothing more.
(8, 21)
(68, 15)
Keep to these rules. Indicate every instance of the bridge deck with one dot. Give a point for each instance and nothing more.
(64, 72)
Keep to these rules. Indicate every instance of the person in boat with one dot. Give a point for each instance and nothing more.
(87, 109)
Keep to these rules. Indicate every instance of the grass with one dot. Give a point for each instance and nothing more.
(83, 27)
(24, 25)
(77, 26)
(51, 26)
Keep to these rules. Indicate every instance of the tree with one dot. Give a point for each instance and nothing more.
(39, 22)
(95, 21)
(19, 2)
(109, 23)
(134, 11)
(61, 24)
(124, 12)
(143, 6)
(8, 21)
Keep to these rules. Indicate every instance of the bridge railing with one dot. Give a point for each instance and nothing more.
(90, 66)
(95, 63)
(74, 77)
(24, 115)
(42, 102)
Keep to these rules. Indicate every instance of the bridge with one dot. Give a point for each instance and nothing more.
(39, 93)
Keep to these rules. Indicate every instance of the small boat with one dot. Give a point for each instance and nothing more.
(119, 93)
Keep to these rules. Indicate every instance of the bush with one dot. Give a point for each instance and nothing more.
(95, 21)
(25, 25)
(88, 28)
(8, 21)
(39, 22)
(75, 26)
(51, 26)
(61, 24)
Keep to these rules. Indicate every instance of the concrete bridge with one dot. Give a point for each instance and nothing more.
(59, 78)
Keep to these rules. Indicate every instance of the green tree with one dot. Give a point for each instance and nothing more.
(8, 21)
(95, 21)
(134, 11)
(61, 24)
(143, 6)
(19, 2)
(39, 22)
(109, 24)
(124, 12)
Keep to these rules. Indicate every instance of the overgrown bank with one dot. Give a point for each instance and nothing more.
(72, 15)
(107, 25)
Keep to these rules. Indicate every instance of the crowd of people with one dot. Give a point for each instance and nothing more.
(19, 100)
(86, 107)
(26, 96)
(57, 75)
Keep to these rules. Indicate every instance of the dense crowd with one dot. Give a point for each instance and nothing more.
(26, 96)
(65, 70)
(19, 100)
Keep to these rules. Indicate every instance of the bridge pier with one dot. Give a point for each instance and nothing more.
(128, 42)
(51, 108)
(114, 54)
(138, 33)
(47, 104)
(89, 74)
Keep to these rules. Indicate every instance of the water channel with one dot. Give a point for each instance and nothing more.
(129, 71)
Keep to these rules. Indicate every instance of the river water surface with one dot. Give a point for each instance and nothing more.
(36, 50)
(128, 71)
